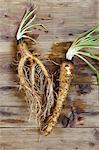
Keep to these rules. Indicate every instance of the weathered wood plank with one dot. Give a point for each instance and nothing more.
(18, 117)
(14, 111)
(65, 19)
(15, 117)
(66, 139)
(62, 18)
(85, 92)
(11, 96)
(8, 73)
(8, 76)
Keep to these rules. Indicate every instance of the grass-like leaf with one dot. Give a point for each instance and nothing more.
(26, 24)
(91, 66)
(85, 40)
(89, 39)
(88, 54)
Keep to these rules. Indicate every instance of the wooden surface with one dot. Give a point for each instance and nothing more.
(65, 19)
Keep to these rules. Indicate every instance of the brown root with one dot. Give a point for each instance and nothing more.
(66, 75)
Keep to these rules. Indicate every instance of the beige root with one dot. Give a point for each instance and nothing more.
(36, 84)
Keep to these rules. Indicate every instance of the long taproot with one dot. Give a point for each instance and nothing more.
(66, 75)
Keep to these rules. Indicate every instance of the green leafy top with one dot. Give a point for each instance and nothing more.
(27, 24)
(89, 39)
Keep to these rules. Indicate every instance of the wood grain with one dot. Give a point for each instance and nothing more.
(11, 96)
(64, 19)
(18, 117)
(28, 138)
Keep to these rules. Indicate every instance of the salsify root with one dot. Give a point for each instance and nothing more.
(89, 39)
(66, 75)
(27, 82)
(33, 76)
